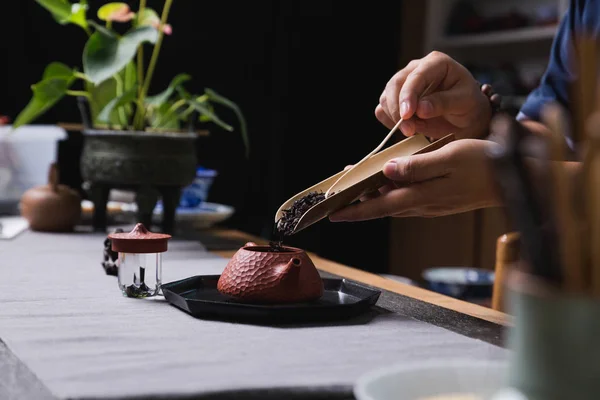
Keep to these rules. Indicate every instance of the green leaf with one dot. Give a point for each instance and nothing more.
(217, 98)
(106, 11)
(204, 118)
(130, 75)
(183, 93)
(204, 110)
(78, 14)
(105, 54)
(148, 17)
(60, 9)
(127, 98)
(162, 117)
(57, 70)
(102, 95)
(45, 94)
(164, 96)
(65, 12)
(101, 28)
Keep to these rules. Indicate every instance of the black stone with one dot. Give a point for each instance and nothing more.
(137, 291)
(110, 263)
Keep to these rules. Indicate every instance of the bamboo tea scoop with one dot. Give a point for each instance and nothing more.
(359, 181)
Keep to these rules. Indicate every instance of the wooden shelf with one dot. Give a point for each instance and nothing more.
(500, 37)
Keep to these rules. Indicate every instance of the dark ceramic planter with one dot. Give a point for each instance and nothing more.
(154, 165)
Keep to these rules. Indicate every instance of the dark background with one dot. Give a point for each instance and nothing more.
(307, 75)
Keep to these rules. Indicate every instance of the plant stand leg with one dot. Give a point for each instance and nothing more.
(146, 198)
(99, 194)
(170, 198)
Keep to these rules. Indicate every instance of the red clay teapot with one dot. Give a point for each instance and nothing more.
(260, 274)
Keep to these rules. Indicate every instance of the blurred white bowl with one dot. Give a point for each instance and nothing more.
(204, 216)
(474, 380)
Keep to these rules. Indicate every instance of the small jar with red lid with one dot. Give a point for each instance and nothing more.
(140, 260)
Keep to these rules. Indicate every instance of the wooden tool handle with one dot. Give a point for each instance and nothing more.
(508, 248)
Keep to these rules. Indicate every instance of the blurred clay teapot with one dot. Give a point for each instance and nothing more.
(52, 207)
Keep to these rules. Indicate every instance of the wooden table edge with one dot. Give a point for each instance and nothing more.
(384, 283)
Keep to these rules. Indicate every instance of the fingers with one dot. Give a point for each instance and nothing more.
(408, 213)
(385, 205)
(408, 127)
(388, 101)
(370, 196)
(435, 128)
(418, 168)
(444, 102)
(431, 71)
(487, 89)
(382, 190)
(383, 117)
(388, 188)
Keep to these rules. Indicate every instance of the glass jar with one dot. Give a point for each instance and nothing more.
(140, 261)
(140, 274)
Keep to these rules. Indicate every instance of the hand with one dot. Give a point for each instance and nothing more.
(451, 180)
(453, 104)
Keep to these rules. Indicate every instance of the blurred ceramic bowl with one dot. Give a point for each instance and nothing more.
(204, 216)
(435, 380)
(460, 282)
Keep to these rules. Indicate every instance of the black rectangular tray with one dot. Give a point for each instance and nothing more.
(199, 297)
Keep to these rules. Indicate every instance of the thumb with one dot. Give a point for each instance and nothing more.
(441, 103)
(417, 168)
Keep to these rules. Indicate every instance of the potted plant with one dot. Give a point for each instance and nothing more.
(132, 140)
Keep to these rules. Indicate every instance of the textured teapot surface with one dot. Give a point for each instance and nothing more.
(259, 274)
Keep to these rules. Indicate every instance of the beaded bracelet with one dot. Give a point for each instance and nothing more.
(494, 98)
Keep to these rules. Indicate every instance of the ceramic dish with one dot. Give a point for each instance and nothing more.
(434, 380)
(461, 283)
(203, 216)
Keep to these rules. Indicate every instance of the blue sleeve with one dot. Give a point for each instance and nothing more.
(555, 82)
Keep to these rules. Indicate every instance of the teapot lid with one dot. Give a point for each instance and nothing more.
(139, 240)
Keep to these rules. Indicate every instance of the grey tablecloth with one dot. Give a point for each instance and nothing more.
(69, 324)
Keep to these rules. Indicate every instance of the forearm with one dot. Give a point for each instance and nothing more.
(543, 170)
(572, 169)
